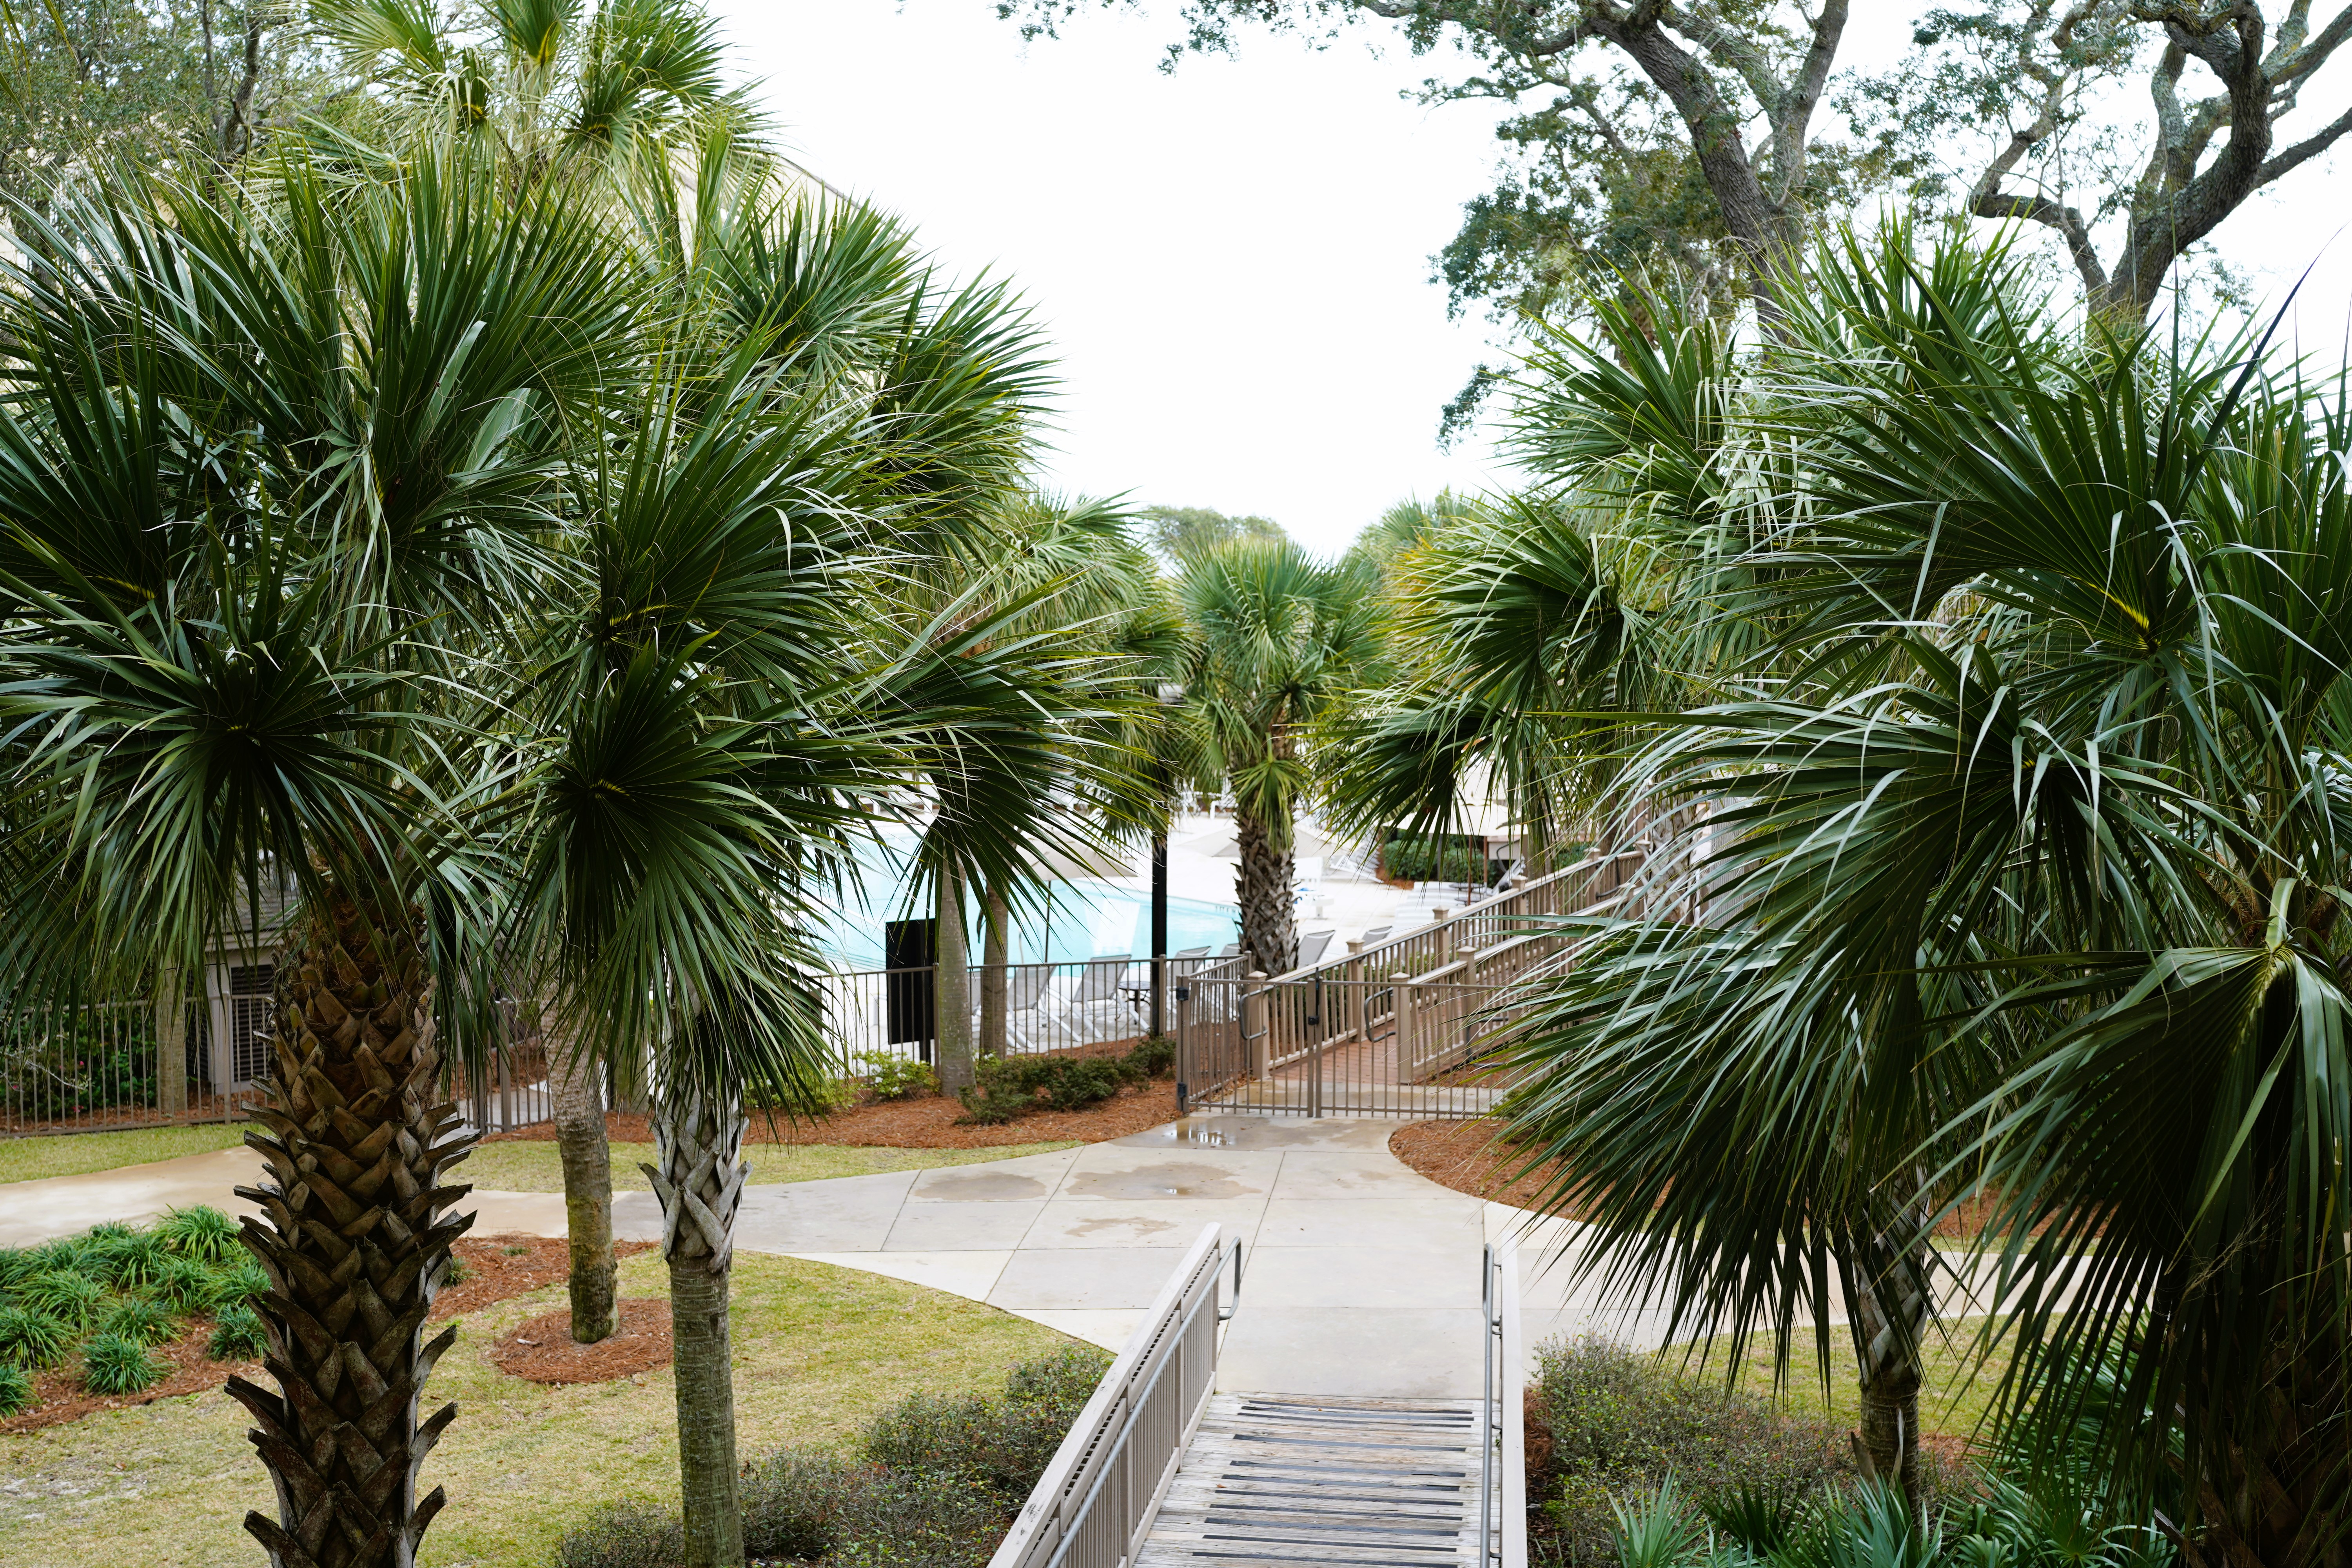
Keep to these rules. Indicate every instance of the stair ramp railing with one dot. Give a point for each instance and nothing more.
(1095, 1504)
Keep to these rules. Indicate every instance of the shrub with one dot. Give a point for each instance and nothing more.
(1003, 1442)
(889, 1076)
(1454, 857)
(1620, 1423)
(895, 1520)
(71, 1299)
(1007, 1087)
(29, 1338)
(16, 1389)
(112, 1364)
(624, 1535)
(203, 1233)
(795, 1503)
(1154, 1055)
(140, 1318)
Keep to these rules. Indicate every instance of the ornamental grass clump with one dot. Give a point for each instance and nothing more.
(115, 1363)
(238, 1335)
(140, 1318)
(30, 1337)
(72, 1298)
(16, 1389)
(202, 1233)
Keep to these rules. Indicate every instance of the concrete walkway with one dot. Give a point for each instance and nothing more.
(1360, 1276)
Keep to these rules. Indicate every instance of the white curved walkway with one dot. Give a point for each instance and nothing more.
(1360, 1276)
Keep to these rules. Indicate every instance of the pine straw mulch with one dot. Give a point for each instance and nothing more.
(541, 1350)
(932, 1121)
(497, 1267)
(1467, 1157)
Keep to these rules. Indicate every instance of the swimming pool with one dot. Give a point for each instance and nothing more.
(1071, 920)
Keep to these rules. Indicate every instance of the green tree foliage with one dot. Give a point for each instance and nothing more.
(180, 86)
(1183, 533)
(1998, 761)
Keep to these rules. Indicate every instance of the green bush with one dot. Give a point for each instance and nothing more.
(203, 1233)
(64, 1255)
(16, 1389)
(1451, 857)
(140, 1318)
(71, 1299)
(1620, 1423)
(624, 1535)
(1007, 1087)
(15, 1262)
(889, 1076)
(112, 1364)
(29, 1338)
(238, 1335)
(936, 1482)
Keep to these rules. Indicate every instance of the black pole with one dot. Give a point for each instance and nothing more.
(1160, 930)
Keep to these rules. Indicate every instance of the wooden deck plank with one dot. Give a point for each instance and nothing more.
(1328, 1483)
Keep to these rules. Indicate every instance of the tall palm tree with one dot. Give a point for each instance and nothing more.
(276, 469)
(1277, 639)
(2022, 883)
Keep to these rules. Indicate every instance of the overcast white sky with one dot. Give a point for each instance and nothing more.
(1233, 260)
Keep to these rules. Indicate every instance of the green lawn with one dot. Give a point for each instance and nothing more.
(818, 1351)
(79, 1154)
(1957, 1394)
(532, 1167)
(517, 1168)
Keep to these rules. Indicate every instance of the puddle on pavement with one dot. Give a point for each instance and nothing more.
(1124, 1223)
(1264, 1132)
(981, 1187)
(1168, 1179)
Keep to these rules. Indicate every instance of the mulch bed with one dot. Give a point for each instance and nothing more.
(1467, 1156)
(932, 1122)
(541, 1350)
(497, 1267)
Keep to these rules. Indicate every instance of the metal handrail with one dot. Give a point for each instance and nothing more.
(1097, 1499)
(1503, 1467)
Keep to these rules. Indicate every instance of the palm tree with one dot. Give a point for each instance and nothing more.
(1277, 639)
(276, 469)
(2026, 888)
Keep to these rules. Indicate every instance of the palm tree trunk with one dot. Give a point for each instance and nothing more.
(357, 1140)
(992, 978)
(953, 987)
(699, 1182)
(1890, 1316)
(587, 1156)
(1262, 881)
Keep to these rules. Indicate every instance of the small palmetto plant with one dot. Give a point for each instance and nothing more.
(115, 1363)
(1655, 1532)
(29, 1338)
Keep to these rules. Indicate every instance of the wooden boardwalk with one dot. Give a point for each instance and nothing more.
(1350, 1483)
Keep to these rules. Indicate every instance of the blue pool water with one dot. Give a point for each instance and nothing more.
(1070, 921)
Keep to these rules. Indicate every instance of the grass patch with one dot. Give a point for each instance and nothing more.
(1954, 1397)
(528, 1166)
(80, 1153)
(819, 1352)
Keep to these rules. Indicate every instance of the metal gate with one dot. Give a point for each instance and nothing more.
(1352, 1046)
